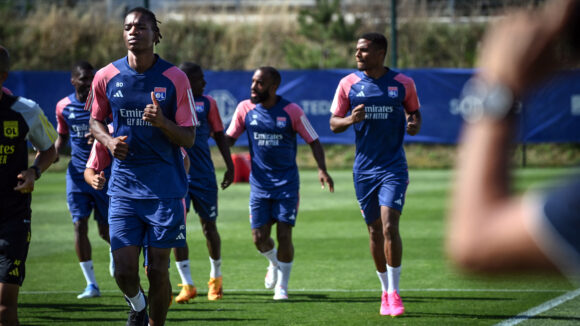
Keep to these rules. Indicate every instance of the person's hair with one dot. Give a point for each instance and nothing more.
(80, 66)
(190, 68)
(4, 59)
(274, 74)
(151, 16)
(378, 40)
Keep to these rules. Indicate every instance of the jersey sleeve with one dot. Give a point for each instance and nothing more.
(213, 117)
(99, 159)
(341, 103)
(41, 132)
(238, 126)
(61, 125)
(411, 100)
(98, 102)
(300, 123)
(185, 112)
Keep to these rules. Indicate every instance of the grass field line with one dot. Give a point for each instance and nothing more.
(340, 290)
(540, 309)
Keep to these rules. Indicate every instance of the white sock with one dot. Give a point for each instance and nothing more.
(216, 267)
(88, 271)
(138, 302)
(394, 277)
(272, 256)
(384, 280)
(284, 270)
(184, 271)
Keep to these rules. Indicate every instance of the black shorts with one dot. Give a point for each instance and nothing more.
(14, 237)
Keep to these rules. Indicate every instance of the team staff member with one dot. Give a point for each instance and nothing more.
(21, 120)
(73, 123)
(203, 187)
(271, 123)
(151, 104)
(383, 104)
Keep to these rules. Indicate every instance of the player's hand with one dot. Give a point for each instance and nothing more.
(90, 138)
(25, 183)
(98, 181)
(412, 126)
(153, 113)
(324, 177)
(358, 113)
(118, 147)
(228, 178)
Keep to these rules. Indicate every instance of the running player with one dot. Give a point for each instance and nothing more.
(21, 120)
(272, 123)
(203, 186)
(383, 104)
(151, 104)
(73, 123)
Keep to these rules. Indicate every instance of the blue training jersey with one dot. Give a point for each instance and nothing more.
(272, 139)
(379, 137)
(151, 169)
(73, 120)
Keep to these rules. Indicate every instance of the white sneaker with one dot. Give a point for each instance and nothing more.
(280, 293)
(271, 277)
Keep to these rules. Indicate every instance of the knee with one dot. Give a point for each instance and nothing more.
(259, 237)
(81, 227)
(157, 273)
(390, 230)
(209, 229)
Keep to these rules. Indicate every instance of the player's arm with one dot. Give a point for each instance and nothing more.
(223, 144)
(94, 179)
(340, 124)
(116, 145)
(487, 223)
(414, 121)
(180, 136)
(60, 144)
(323, 176)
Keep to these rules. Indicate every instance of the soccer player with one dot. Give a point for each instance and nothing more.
(383, 104)
(151, 104)
(491, 229)
(203, 186)
(21, 120)
(73, 123)
(271, 123)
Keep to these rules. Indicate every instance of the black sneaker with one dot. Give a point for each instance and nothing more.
(137, 318)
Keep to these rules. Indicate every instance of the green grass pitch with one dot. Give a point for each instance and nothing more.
(333, 281)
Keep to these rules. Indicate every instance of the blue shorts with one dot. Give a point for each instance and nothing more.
(264, 211)
(376, 190)
(81, 204)
(205, 199)
(159, 223)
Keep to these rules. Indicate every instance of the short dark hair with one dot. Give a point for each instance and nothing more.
(80, 66)
(377, 39)
(274, 74)
(4, 59)
(190, 68)
(151, 16)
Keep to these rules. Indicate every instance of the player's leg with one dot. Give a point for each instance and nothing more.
(261, 222)
(188, 290)
(101, 213)
(159, 284)
(9, 304)
(285, 210)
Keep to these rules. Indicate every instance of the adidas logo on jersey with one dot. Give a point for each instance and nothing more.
(118, 94)
(254, 123)
(181, 236)
(72, 115)
(360, 94)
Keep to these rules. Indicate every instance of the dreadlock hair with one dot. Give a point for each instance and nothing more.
(151, 16)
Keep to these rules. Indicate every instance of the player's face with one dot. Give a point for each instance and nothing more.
(138, 32)
(82, 83)
(261, 85)
(368, 56)
(197, 83)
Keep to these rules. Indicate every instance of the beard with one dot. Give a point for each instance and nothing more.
(259, 97)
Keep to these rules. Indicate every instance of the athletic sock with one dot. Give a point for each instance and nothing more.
(384, 280)
(394, 277)
(284, 270)
(137, 302)
(184, 271)
(216, 267)
(272, 256)
(88, 271)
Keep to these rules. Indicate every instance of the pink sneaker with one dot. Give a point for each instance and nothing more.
(385, 308)
(396, 304)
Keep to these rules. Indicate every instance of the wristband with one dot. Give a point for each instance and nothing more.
(36, 171)
(482, 100)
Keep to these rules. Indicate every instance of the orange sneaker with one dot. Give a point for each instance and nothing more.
(215, 290)
(188, 292)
